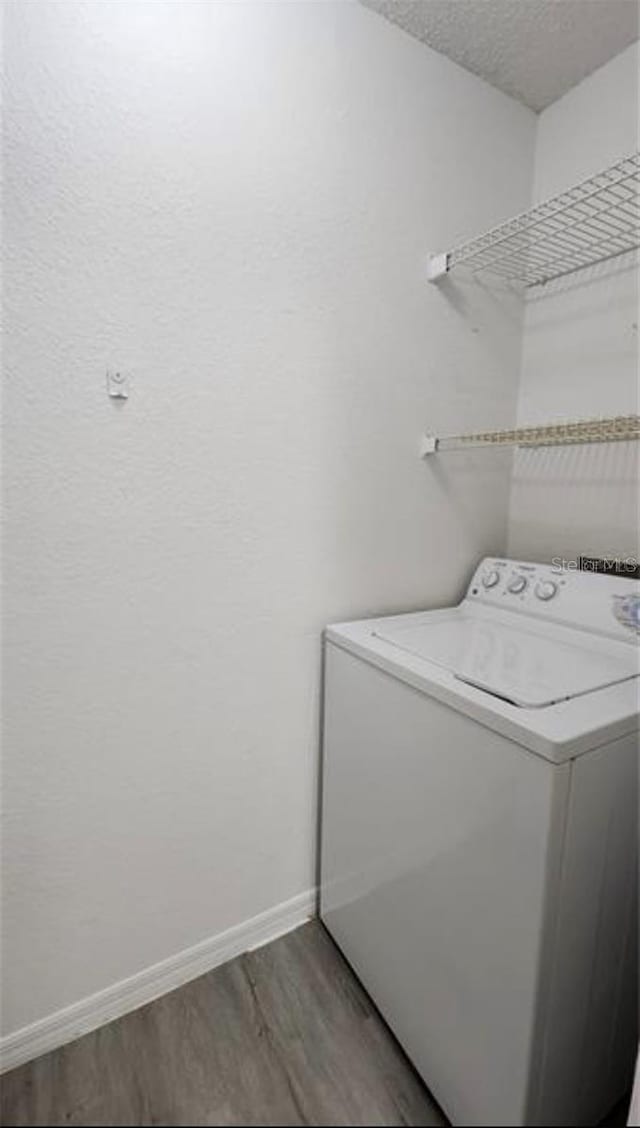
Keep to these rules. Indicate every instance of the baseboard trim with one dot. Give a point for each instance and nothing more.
(95, 1010)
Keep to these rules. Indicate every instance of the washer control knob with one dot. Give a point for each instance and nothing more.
(517, 584)
(546, 589)
(491, 578)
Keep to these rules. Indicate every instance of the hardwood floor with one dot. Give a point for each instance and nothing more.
(281, 1036)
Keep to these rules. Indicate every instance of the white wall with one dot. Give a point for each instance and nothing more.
(234, 202)
(580, 345)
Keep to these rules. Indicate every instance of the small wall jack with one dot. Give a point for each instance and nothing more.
(118, 384)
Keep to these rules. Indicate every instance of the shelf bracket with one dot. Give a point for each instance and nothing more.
(428, 445)
(437, 266)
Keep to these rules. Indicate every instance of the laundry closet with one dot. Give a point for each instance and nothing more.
(317, 315)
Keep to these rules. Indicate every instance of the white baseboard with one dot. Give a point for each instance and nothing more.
(70, 1023)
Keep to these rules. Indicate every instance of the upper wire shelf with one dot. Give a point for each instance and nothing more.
(596, 220)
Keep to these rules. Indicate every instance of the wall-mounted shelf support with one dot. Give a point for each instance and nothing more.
(596, 220)
(437, 266)
(620, 428)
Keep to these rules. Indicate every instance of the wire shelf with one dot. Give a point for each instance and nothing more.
(620, 428)
(591, 223)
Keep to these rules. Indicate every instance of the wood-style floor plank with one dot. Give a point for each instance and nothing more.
(283, 1036)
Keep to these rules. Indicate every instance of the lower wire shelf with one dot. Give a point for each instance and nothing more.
(619, 428)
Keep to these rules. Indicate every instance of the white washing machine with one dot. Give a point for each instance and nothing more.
(479, 838)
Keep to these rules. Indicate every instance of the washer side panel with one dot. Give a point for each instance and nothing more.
(591, 1023)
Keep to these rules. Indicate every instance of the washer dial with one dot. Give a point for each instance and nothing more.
(546, 589)
(517, 584)
(491, 578)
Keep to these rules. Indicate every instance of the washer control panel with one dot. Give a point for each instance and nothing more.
(609, 604)
(513, 578)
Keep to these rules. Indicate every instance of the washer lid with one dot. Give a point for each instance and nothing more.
(517, 663)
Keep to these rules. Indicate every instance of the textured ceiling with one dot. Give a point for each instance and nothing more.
(534, 50)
